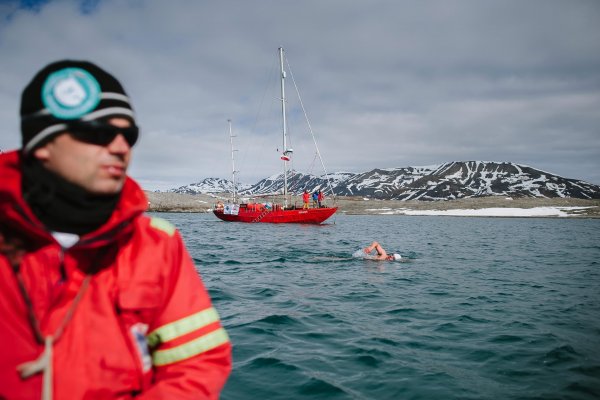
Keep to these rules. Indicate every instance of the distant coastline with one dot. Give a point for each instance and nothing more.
(494, 206)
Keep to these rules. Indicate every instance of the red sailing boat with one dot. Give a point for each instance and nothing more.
(272, 212)
(259, 212)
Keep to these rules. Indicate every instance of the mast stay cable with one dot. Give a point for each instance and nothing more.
(310, 129)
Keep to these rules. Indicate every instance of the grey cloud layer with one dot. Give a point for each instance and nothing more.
(385, 83)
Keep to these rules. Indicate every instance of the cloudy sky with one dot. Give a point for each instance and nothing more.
(384, 83)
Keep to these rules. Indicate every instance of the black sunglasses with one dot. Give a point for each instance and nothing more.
(101, 133)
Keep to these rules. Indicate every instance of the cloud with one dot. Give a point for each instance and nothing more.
(384, 83)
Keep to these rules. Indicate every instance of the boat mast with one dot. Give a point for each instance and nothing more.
(285, 149)
(233, 171)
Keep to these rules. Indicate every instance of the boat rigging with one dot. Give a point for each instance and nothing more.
(273, 212)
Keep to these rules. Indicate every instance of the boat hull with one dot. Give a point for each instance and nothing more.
(297, 216)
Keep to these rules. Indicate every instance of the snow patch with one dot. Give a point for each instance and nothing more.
(493, 212)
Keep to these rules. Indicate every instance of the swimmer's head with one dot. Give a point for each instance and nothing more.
(397, 257)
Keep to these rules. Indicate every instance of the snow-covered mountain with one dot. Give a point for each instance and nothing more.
(453, 180)
(456, 180)
(298, 182)
(207, 185)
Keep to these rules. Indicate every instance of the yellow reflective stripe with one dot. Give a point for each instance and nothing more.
(191, 348)
(163, 225)
(182, 327)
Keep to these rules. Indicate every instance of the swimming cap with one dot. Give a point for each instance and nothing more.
(397, 257)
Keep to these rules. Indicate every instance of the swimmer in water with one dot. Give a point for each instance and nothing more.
(381, 253)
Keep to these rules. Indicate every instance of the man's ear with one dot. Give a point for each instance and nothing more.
(42, 153)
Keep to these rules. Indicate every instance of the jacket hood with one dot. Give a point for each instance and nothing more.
(15, 212)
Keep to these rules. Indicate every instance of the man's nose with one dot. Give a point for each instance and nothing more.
(119, 145)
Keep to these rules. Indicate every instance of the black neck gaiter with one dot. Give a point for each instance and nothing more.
(61, 205)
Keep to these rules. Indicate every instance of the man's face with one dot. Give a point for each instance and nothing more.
(98, 169)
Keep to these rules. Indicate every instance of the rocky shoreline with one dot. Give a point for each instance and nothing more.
(174, 202)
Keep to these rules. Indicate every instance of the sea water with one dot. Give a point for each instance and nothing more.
(486, 308)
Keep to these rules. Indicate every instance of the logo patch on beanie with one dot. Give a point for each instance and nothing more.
(70, 93)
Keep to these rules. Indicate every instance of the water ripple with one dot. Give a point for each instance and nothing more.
(484, 309)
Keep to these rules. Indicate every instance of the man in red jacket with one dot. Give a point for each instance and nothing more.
(305, 199)
(97, 300)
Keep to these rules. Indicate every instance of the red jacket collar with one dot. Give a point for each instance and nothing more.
(15, 212)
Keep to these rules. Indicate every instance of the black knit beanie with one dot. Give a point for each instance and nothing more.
(65, 91)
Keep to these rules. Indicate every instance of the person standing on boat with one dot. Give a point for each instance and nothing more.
(305, 200)
(320, 198)
(315, 199)
(97, 300)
